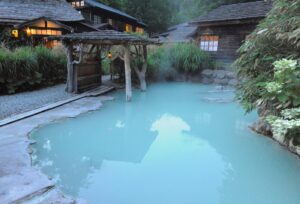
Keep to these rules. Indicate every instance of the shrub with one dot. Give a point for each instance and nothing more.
(28, 68)
(276, 37)
(188, 58)
(286, 125)
(184, 58)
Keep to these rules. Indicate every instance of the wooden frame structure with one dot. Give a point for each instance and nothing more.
(98, 40)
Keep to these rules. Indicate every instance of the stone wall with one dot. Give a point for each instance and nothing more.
(222, 77)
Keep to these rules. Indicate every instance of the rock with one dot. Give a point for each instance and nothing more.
(221, 81)
(207, 73)
(261, 127)
(233, 82)
(219, 74)
(207, 80)
(230, 75)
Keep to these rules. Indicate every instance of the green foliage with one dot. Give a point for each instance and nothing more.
(28, 68)
(184, 58)
(287, 125)
(277, 37)
(284, 90)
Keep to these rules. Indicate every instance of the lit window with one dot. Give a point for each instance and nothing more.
(33, 31)
(77, 4)
(139, 30)
(209, 43)
(128, 28)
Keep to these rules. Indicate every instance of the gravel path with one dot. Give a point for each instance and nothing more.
(23, 102)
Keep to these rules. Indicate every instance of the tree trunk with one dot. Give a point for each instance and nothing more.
(127, 73)
(142, 73)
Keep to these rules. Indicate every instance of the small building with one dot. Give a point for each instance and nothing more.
(99, 16)
(222, 31)
(34, 20)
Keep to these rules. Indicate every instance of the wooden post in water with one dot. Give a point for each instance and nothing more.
(70, 69)
(127, 73)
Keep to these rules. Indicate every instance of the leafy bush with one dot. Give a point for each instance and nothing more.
(284, 90)
(28, 68)
(185, 58)
(277, 37)
(286, 125)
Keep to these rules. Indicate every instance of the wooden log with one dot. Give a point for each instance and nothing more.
(127, 73)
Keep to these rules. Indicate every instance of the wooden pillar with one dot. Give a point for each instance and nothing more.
(70, 68)
(142, 75)
(99, 59)
(127, 73)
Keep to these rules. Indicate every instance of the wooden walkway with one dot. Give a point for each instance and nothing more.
(92, 93)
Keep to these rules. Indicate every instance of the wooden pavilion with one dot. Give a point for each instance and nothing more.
(84, 57)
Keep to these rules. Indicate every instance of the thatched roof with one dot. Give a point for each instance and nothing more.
(104, 37)
(17, 11)
(240, 11)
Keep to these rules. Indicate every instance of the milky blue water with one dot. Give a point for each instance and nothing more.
(178, 143)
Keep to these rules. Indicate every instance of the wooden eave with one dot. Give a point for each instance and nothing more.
(104, 37)
(228, 22)
(28, 23)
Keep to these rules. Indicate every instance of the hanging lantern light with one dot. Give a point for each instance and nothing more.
(15, 33)
(109, 55)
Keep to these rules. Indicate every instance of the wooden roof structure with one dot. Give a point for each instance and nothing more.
(236, 12)
(105, 37)
(105, 8)
(19, 11)
(98, 39)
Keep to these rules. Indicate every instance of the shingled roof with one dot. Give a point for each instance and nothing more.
(104, 7)
(240, 11)
(17, 11)
(104, 37)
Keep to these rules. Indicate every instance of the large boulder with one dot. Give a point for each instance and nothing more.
(207, 73)
(219, 74)
(262, 127)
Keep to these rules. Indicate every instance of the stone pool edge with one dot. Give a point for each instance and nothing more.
(20, 182)
(262, 128)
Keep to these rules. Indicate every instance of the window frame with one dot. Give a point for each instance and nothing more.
(209, 43)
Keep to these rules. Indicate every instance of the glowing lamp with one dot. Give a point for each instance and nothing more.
(15, 33)
(109, 55)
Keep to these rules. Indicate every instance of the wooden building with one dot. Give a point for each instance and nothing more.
(34, 20)
(222, 31)
(99, 16)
